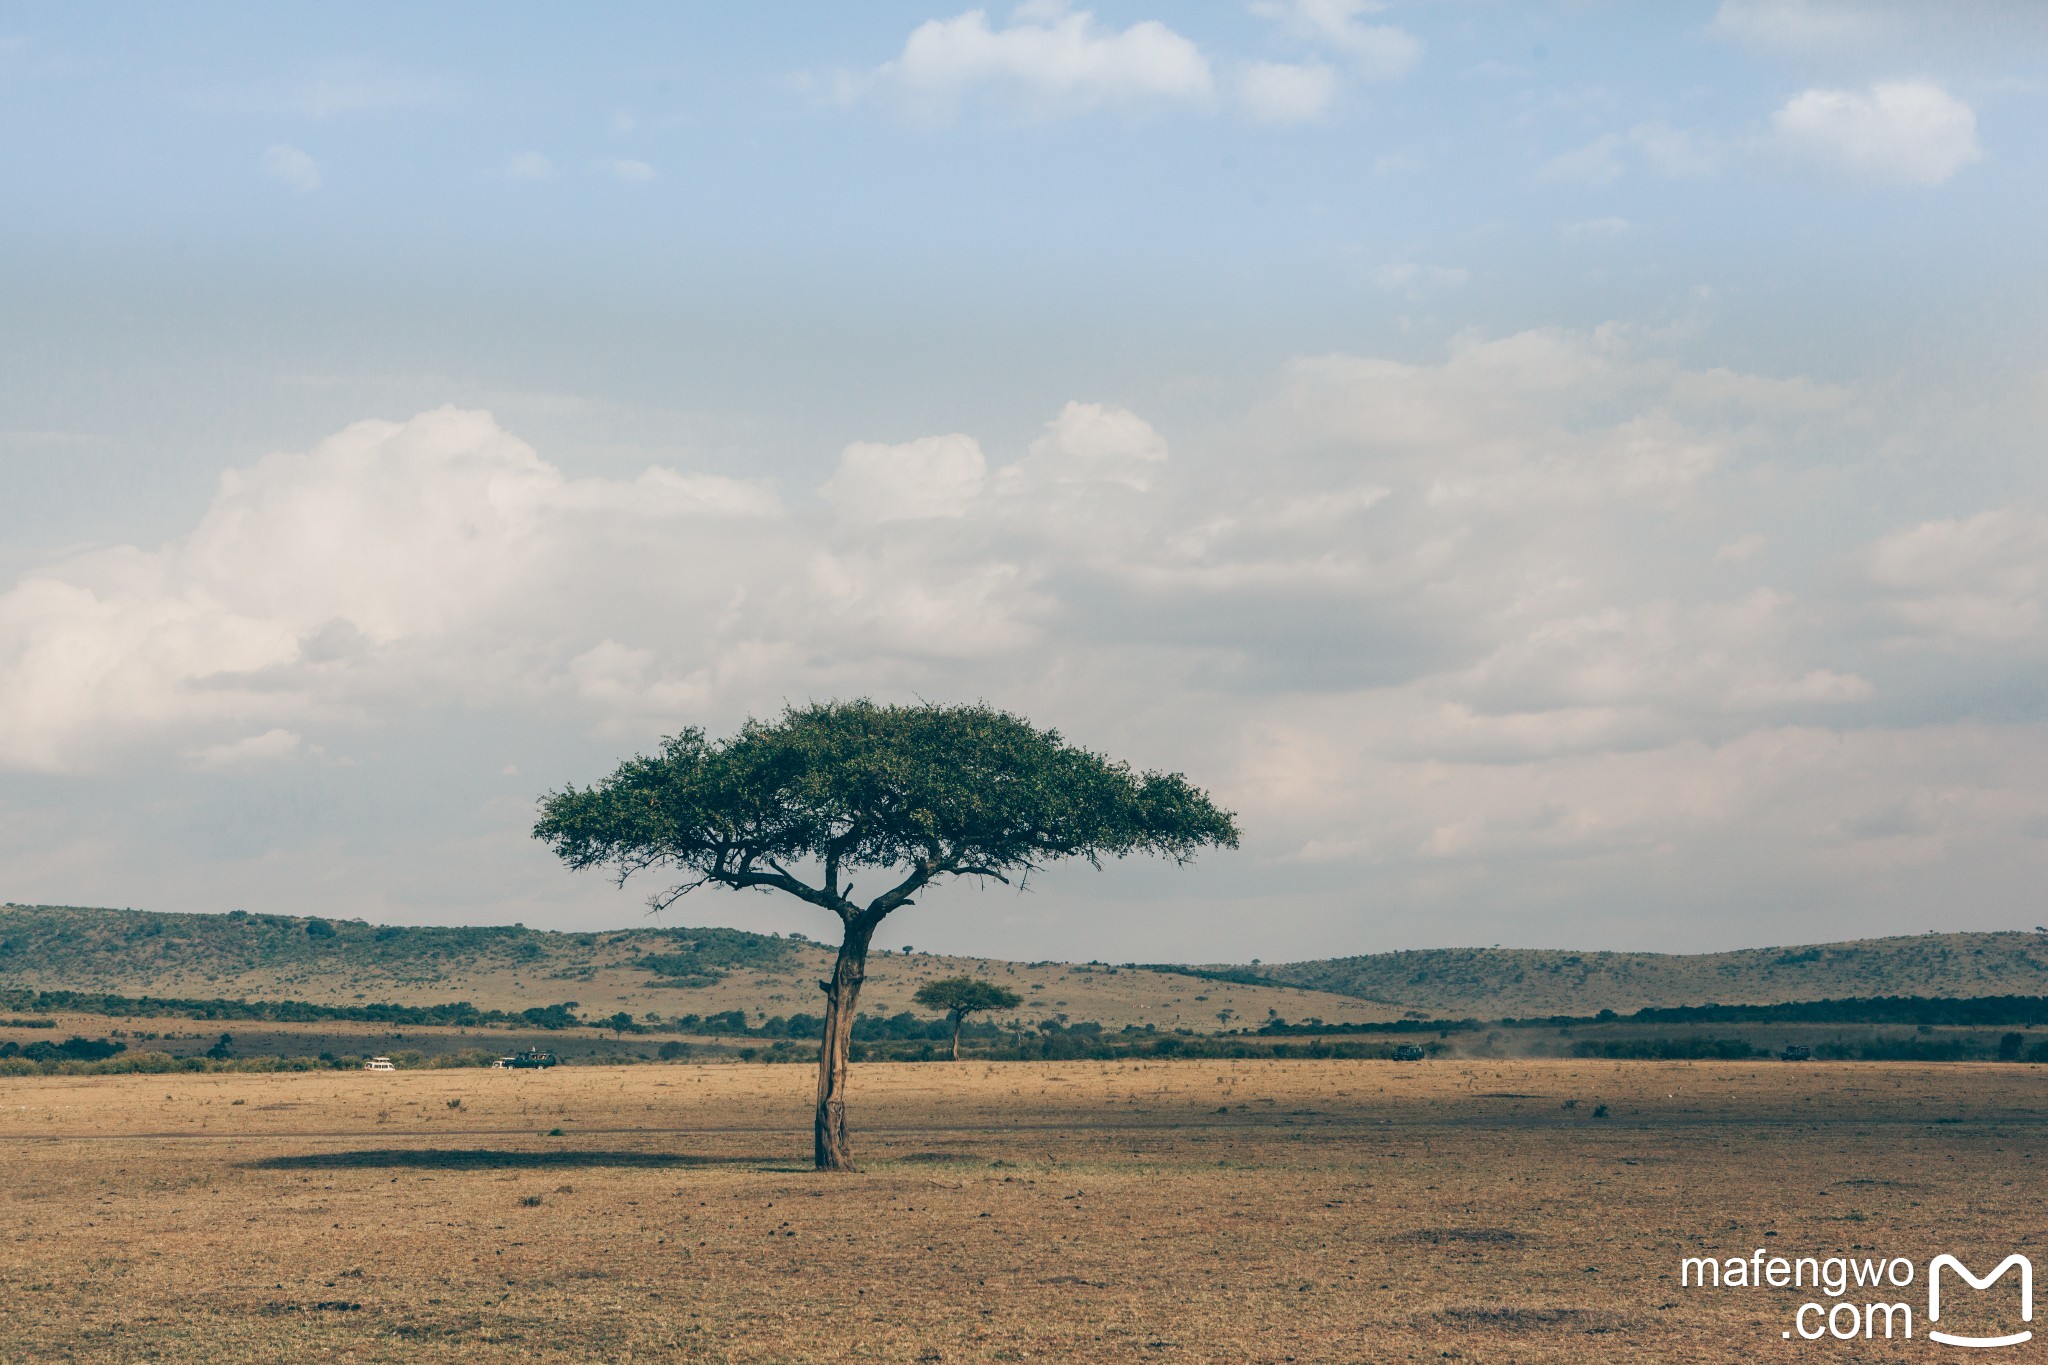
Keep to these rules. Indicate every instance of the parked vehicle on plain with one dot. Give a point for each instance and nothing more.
(379, 1064)
(1409, 1052)
(1796, 1052)
(531, 1058)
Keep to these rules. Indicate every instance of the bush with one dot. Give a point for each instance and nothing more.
(73, 1050)
(1666, 1049)
(1901, 1048)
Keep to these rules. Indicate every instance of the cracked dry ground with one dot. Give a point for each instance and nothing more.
(1240, 1211)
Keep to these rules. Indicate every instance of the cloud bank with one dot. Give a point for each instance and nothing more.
(1496, 630)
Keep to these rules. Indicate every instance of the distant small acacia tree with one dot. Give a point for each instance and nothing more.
(915, 794)
(959, 996)
(619, 1023)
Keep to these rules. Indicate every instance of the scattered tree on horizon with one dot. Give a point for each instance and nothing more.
(959, 996)
(914, 794)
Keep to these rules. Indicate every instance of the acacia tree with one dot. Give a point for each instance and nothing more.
(911, 794)
(960, 996)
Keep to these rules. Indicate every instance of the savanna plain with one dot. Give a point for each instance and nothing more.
(1251, 1210)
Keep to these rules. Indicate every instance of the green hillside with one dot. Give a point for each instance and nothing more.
(79, 948)
(665, 972)
(1496, 982)
(673, 970)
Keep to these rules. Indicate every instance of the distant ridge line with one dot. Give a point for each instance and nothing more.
(188, 956)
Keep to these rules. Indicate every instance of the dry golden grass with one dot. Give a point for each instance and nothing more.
(1240, 1211)
(608, 982)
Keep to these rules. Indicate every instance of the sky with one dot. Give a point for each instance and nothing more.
(1565, 474)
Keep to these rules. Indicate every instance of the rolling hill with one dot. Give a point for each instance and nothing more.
(1519, 982)
(667, 972)
(674, 971)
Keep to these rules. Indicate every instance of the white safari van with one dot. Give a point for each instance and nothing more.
(379, 1064)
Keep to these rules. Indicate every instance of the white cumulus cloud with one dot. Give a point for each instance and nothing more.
(1047, 61)
(1970, 578)
(1502, 615)
(936, 476)
(1376, 51)
(316, 577)
(1905, 132)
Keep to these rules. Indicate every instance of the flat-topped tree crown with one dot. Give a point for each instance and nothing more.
(960, 996)
(808, 802)
(921, 791)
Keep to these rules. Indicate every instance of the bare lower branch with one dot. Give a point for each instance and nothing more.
(982, 872)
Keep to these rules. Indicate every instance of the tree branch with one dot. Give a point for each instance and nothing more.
(972, 870)
(899, 895)
(780, 880)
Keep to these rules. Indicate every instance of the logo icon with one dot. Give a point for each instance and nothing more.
(1934, 1269)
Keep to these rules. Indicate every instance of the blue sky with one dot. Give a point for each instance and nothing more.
(1567, 473)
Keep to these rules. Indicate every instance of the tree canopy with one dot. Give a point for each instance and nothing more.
(829, 792)
(963, 995)
(920, 791)
(960, 996)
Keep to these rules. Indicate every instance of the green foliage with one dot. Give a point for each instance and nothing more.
(1883, 1048)
(101, 1063)
(960, 996)
(459, 1013)
(551, 1016)
(76, 946)
(1532, 981)
(916, 792)
(120, 952)
(702, 957)
(1237, 976)
(1667, 1049)
(73, 1050)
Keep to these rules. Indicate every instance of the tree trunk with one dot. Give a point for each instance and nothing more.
(958, 1019)
(842, 993)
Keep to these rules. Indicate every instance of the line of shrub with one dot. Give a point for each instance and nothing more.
(456, 1013)
(1982, 1011)
(1668, 1049)
(160, 1063)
